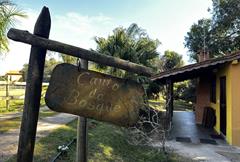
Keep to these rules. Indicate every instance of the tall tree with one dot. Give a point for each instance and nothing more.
(8, 13)
(68, 59)
(200, 38)
(132, 44)
(226, 24)
(171, 60)
(218, 35)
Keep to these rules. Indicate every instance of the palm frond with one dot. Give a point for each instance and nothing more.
(8, 13)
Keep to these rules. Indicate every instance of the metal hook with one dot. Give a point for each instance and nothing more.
(79, 64)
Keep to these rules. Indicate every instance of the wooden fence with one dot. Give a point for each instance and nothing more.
(12, 91)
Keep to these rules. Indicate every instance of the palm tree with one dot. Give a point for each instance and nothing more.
(132, 44)
(68, 59)
(8, 13)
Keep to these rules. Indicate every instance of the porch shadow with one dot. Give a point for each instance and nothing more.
(184, 126)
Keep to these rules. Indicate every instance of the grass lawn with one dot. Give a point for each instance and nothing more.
(13, 92)
(179, 105)
(157, 105)
(182, 105)
(15, 105)
(106, 144)
(16, 122)
(9, 124)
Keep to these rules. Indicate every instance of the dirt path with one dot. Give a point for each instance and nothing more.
(10, 116)
(9, 140)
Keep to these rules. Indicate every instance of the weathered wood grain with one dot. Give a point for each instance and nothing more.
(26, 37)
(82, 130)
(33, 91)
(94, 95)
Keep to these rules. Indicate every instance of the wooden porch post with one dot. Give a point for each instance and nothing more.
(169, 101)
(33, 91)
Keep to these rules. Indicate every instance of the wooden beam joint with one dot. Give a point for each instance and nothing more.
(34, 40)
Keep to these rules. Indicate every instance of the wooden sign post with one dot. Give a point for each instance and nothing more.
(94, 95)
(33, 91)
(82, 139)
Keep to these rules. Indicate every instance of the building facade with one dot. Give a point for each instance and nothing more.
(221, 91)
(218, 87)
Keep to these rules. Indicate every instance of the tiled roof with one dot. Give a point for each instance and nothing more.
(194, 70)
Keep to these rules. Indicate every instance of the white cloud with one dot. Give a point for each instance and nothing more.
(71, 28)
(80, 30)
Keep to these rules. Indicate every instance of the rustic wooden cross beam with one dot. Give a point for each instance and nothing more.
(40, 44)
(34, 40)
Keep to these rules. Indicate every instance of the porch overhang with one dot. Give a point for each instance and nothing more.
(194, 70)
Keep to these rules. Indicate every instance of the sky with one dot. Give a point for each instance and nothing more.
(77, 22)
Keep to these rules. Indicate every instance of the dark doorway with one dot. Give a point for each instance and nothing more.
(223, 113)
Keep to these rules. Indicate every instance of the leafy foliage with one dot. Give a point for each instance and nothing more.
(3, 78)
(226, 24)
(68, 59)
(168, 61)
(185, 90)
(132, 44)
(48, 67)
(218, 35)
(200, 38)
(171, 60)
(8, 13)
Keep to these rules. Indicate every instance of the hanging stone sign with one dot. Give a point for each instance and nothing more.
(94, 95)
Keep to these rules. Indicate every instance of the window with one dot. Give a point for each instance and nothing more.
(213, 89)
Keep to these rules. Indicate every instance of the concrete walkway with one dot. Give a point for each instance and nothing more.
(205, 152)
(9, 140)
(184, 127)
